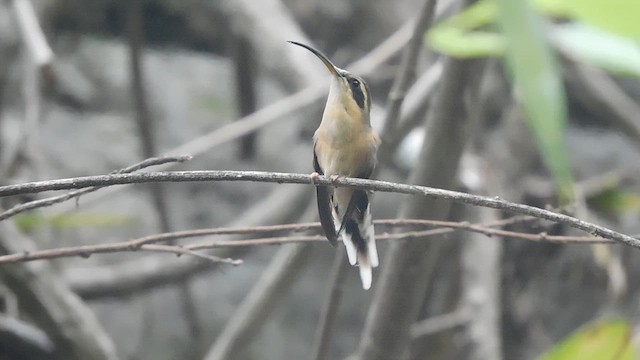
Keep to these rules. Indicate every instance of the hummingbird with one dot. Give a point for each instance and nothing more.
(345, 145)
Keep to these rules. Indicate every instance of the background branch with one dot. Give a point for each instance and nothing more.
(331, 303)
(21, 340)
(406, 71)
(286, 266)
(145, 243)
(51, 304)
(481, 291)
(404, 280)
(32, 34)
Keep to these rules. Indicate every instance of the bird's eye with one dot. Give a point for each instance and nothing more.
(355, 83)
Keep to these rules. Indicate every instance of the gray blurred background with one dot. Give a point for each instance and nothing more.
(204, 64)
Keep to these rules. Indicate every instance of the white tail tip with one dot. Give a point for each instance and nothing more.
(366, 272)
(366, 276)
(351, 248)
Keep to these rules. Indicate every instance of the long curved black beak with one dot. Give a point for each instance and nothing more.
(332, 68)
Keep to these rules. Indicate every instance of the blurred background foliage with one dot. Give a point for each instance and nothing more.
(557, 123)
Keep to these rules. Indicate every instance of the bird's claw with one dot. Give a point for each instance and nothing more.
(314, 176)
(334, 178)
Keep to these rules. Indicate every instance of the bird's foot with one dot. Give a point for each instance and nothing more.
(334, 178)
(314, 176)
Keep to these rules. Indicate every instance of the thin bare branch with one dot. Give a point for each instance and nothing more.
(145, 243)
(265, 229)
(289, 178)
(178, 250)
(32, 205)
(86, 251)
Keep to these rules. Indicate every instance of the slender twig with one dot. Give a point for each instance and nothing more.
(444, 227)
(265, 229)
(32, 205)
(178, 250)
(144, 242)
(86, 251)
(288, 178)
(541, 237)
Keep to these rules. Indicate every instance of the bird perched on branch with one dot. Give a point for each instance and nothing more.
(346, 145)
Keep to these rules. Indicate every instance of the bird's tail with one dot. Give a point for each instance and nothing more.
(359, 240)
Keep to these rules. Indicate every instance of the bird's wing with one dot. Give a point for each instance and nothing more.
(323, 194)
(358, 196)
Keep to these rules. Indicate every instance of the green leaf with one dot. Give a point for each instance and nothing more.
(617, 16)
(604, 340)
(600, 48)
(456, 36)
(538, 86)
(616, 201)
(458, 43)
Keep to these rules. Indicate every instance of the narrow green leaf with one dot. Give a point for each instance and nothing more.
(604, 340)
(456, 35)
(538, 87)
(459, 43)
(618, 16)
(611, 52)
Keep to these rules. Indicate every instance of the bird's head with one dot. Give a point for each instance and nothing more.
(347, 89)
